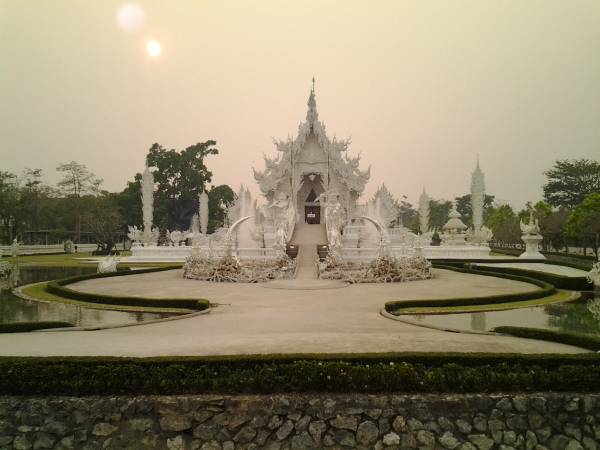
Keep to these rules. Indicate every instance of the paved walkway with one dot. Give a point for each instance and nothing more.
(253, 319)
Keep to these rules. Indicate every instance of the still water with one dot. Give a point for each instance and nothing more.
(581, 316)
(14, 309)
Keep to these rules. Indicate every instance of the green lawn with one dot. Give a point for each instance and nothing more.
(72, 260)
(560, 296)
(38, 292)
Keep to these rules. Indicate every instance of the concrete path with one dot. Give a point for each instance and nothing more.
(252, 319)
(307, 237)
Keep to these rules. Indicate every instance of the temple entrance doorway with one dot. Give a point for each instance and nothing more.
(309, 204)
(312, 215)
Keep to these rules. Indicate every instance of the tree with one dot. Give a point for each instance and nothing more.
(104, 221)
(584, 222)
(464, 207)
(504, 224)
(570, 181)
(180, 177)
(438, 213)
(76, 182)
(219, 198)
(9, 204)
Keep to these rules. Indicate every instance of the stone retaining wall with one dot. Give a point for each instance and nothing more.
(209, 422)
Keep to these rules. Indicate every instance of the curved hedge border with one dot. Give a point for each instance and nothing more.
(545, 290)
(369, 373)
(579, 340)
(20, 327)
(58, 288)
(558, 281)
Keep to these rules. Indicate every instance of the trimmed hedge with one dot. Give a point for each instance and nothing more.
(58, 288)
(370, 373)
(21, 327)
(545, 290)
(586, 341)
(558, 281)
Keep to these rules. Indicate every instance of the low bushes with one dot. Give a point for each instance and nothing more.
(58, 288)
(545, 290)
(20, 327)
(374, 373)
(579, 340)
(558, 281)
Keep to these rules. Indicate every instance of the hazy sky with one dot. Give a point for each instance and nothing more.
(421, 87)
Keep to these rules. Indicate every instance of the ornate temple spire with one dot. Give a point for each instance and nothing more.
(312, 115)
(477, 196)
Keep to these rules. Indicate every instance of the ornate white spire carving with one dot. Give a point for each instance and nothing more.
(424, 212)
(477, 196)
(203, 211)
(147, 199)
(312, 115)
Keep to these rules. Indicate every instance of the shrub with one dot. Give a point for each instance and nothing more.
(20, 327)
(577, 339)
(371, 373)
(545, 290)
(58, 288)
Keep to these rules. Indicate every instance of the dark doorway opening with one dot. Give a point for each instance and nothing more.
(312, 214)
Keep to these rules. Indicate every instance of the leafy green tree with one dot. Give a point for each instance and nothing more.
(9, 205)
(180, 177)
(464, 207)
(584, 222)
(219, 198)
(570, 181)
(438, 213)
(129, 201)
(504, 223)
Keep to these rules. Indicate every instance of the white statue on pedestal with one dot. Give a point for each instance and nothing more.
(334, 221)
(479, 235)
(532, 238)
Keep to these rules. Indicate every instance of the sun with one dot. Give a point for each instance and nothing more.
(153, 48)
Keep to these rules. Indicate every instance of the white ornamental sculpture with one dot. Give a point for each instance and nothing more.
(203, 212)
(334, 220)
(531, 237)
(453, 230)
(594, 275)
(149, 235)
(108, 264)
(424, 201)
(479, 234)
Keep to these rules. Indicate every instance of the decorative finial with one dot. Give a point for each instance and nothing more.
(313, 83)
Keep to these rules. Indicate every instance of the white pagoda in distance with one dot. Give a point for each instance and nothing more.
(311, 165)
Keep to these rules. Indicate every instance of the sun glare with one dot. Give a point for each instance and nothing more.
(153, 48)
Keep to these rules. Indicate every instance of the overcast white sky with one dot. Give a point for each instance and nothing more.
(421, 87)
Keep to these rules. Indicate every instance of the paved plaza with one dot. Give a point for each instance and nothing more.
(264, 318)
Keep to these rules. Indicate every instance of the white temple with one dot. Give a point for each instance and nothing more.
(310, 165)
(312, 180)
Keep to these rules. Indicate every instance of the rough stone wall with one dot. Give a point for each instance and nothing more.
(209, 422)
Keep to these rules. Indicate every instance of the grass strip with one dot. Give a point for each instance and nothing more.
(581, 340)
(20, 327)
(560, 296)
(370, 373)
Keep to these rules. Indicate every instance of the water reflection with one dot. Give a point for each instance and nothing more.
(581, 316)
(14, 309)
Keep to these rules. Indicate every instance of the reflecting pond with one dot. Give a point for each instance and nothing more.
(15, 309)
(580, 316)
